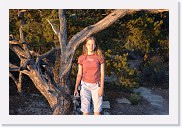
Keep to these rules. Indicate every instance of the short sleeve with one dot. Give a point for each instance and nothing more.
(80, 60)
(102, 60)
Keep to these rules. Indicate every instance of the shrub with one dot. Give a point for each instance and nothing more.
(122, 75)
(134, 98)
(155, 72)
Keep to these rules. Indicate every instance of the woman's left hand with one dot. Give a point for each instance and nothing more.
(101, 92)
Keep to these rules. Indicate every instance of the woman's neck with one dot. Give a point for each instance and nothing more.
(90, 53)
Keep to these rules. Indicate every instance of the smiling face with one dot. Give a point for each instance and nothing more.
(90, 45)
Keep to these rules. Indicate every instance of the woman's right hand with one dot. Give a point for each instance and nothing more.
(75, 92)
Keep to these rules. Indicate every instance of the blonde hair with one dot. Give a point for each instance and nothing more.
(97, 50)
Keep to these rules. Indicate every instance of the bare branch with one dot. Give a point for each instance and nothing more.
(21, 52)
(50, 77)
(68, 66)
(157, 10)
(22, 19)
(33, 53)
(14, 42)
(24, 66)
(26, 72)
(19, 85)
(63, 27)
(27, 51)
(63, 33)
(56, 31)
(47, 54)
(18, 50)
(13, 78)
(13, 67)
(21, 11)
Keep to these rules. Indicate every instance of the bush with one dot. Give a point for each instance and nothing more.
(122, 75)
(134, 98)
(155, 72)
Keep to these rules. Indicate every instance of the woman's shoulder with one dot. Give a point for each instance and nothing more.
(99, 56)
(81, 56)
(101, 59)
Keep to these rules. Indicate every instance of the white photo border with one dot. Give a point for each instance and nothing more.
(171, 119)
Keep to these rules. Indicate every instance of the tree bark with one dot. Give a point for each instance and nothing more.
(59, 101)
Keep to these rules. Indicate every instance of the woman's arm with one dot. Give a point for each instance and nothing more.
(102, 72)
(78, 79)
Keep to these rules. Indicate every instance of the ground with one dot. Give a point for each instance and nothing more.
(144, 107)
(33, 103)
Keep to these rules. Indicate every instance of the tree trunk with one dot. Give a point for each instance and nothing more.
(57, 67)
(60, 101)
(65, 81)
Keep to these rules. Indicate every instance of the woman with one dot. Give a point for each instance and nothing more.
(91, 75)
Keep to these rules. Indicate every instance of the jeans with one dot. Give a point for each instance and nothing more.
(87, 92)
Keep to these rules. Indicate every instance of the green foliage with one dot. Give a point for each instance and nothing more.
(119, 69)
(140, 33)
(134, 98)
(37, 30)
(145, 32)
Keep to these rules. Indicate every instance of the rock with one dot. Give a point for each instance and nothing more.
(78, 110)
(106, 104)
(142, 90)
(20, 111)
(154, 99)
(34, 95)
(123, 101)
(106, 113)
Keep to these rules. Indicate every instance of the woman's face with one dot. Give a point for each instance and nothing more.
(90, 45)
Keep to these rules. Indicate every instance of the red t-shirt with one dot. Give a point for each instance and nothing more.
(90, 67)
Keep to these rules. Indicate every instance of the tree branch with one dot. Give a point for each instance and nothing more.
(13, 78)
(26, 72)
(15, 47)
(156, 10)
(56, 31)
(18, 50)
(22, 20)
(62, 34)
(27, 51)
(13, 67)
(47, 54)
(33, 53)
(14, 42)
(21, 11)
(67, 67)
(63, 27)
(24, 66)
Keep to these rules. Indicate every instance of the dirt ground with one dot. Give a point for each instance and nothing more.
(33, 103)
